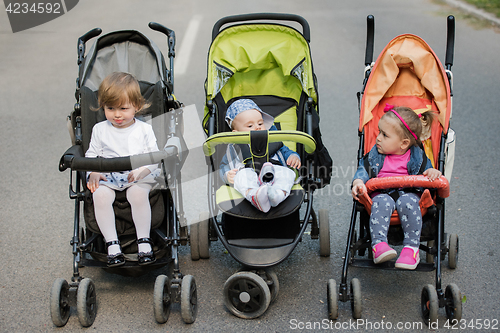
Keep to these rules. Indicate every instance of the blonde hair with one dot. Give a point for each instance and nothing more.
(414, 122)
(119, 88)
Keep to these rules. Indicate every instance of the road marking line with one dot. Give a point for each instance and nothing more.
(185, 50)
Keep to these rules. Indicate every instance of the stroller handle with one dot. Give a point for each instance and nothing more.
(90, 34)
(450, 41)
(370, 31)
(161, 28)
(116, 164)
(263, 16)
(244, 138)
(413, 181)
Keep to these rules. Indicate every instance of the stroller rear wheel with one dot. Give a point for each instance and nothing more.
(162, 299)
(59, 302)
(453, 251)
(453, 305)
(194, 242)
(189, 299)
(86, 302)
(332, 299)
(204, 236)
(324, 233)
(429, 304)
(246, 295)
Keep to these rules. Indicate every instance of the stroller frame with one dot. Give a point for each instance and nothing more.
(81, 292)
(259, 255)
(432, 298)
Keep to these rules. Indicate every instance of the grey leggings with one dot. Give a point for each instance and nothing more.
(409, 214)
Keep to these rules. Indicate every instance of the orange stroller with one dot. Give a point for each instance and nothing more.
(407, 73)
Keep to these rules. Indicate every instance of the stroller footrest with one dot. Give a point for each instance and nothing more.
(260, 242)
(389, 265)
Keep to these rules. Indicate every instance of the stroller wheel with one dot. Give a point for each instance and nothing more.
(59, 302)
(189, 299)
(204, 236)
(324, 233)
(332, 299)
(270, 277)
(453, 251)
(246, 295)
(274, 287)
(162, 299)
(194, 242)
(86, 302)
(453, 305)
(356, 306)
(429, 304)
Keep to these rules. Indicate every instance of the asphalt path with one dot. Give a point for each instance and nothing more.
(38, 71)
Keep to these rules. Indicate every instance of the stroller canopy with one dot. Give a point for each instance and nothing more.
(123, 51)
(260, 59)
(407, 73)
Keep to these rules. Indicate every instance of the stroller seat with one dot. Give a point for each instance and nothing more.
(232, 202)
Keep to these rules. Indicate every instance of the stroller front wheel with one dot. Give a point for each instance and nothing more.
(453, 305)
(59, 302)
(86, 302)
(429, 304)
(246, 295)
(189, 299)
(162, 299)
(356, 305)
(332, 299)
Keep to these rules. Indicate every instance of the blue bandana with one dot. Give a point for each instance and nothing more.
(241, 105)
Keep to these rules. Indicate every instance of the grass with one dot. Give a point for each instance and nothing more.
(491, 6)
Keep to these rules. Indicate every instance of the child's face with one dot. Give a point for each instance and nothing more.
(249, 120)
(120, 116)
(389, 140)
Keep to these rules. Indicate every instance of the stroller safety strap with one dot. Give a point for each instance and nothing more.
(244, 138)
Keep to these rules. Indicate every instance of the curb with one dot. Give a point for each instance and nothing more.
(474, 11)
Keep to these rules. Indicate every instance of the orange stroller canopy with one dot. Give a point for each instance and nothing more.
(407, 73)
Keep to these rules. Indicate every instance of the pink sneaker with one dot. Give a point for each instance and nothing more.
(383, 252)
(408, 259)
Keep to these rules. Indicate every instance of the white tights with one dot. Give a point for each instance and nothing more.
(138, 197)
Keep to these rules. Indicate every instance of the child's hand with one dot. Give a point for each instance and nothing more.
(432, 174)
(230, 175)
(293, 161)
(358, 187)
(94, 179)
(138, 174)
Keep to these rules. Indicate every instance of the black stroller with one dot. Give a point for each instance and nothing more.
(132, 52)
(270, 64)
(407, 73)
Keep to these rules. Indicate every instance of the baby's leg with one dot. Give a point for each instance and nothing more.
(138, 197)
(103, 199)
(382, 208)
(246, 182)
(284, 179)
(411, 218)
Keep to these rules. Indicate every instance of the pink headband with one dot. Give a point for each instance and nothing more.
(389, 107)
